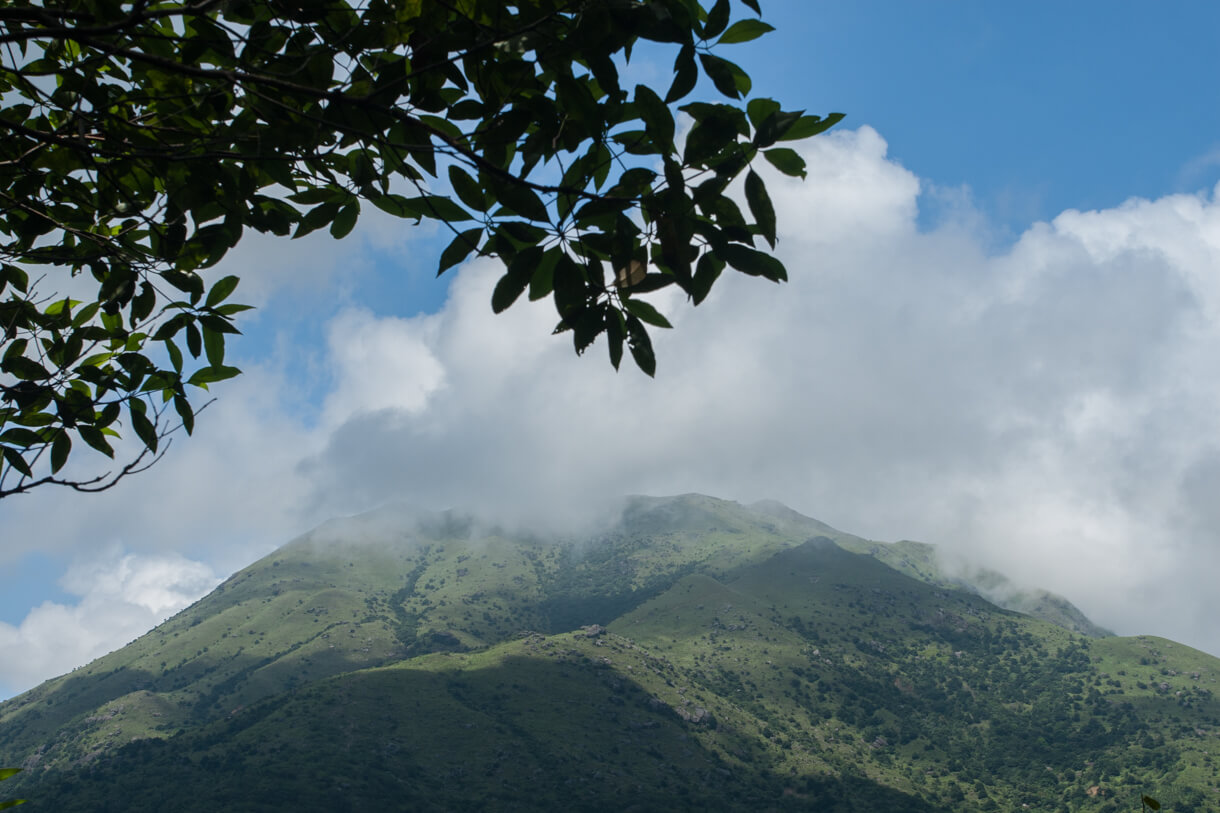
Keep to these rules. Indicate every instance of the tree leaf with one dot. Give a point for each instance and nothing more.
(646, 312)
(144, 428)
(686, 74)
(194, 342)
(399, 206)
(514, 282)
(439, 207)
(24, 368)
(707, 271)
(467, 189)
(717, 20)
(656, 116)
(761, 206)
(754, 262)
(221, 290)
(175, 355)
(759, 109)
(345, 220)
(616, 334)
(15, 460)
(807, 126)
(640, 344)
(214, 346)
(721, 72)
(786, 160)
(183, 407)
(94, 437)
(316, 218)
(744, 31)
(210, 375)
(459, 248)
(521, 201)
(542, 281)
(60, 447)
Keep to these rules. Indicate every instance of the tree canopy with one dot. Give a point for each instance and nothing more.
(141, 140)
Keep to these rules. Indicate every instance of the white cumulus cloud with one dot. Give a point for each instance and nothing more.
(121, 596)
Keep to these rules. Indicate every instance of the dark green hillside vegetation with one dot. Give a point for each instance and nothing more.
(696, 655)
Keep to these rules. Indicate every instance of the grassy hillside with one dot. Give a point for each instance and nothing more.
(698, 654)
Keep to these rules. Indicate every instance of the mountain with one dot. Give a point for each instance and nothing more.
(692, 654)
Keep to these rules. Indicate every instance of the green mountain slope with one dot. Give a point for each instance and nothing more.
(697, 654)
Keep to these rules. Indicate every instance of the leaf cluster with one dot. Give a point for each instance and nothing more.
(141, 142)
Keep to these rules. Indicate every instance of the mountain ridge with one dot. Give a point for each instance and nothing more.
(788, 665)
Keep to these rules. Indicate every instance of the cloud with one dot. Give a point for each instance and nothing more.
(1048, 408)
(122, 595)
(1200, 168)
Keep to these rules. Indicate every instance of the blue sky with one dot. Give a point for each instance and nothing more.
(1036, 106)
(956, 359)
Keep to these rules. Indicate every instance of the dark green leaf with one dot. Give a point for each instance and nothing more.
(711, 135)
(232, 309)
(86, 314)
(142, 304)
(175, 355)
(60, 448)
(16, 348)
(707, 271)
(507, 290)
(807, 126)
(514, 282)
(96, 439)
(467, 189)
(759, 109)
(442, 208)
(316, 218)
(721, 72)
(787, 161)
(20, 436)
(221, 290)
(194, 342)
(616, 333)
(459, 249)
(24, 368)
(686, 74)
(521, 201)
(214, 346)
(646, 312)
(717, 20)
(144, 428)
(754, 262)
(186, 281)
(345, 220)
(399, 206)
(761, 206)
(744, 31)
(656, 116)
(542, 282)
(774, 126)
(210, 375)
(640, 344)
(15, 460)
(218, 323)
(185, 413)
